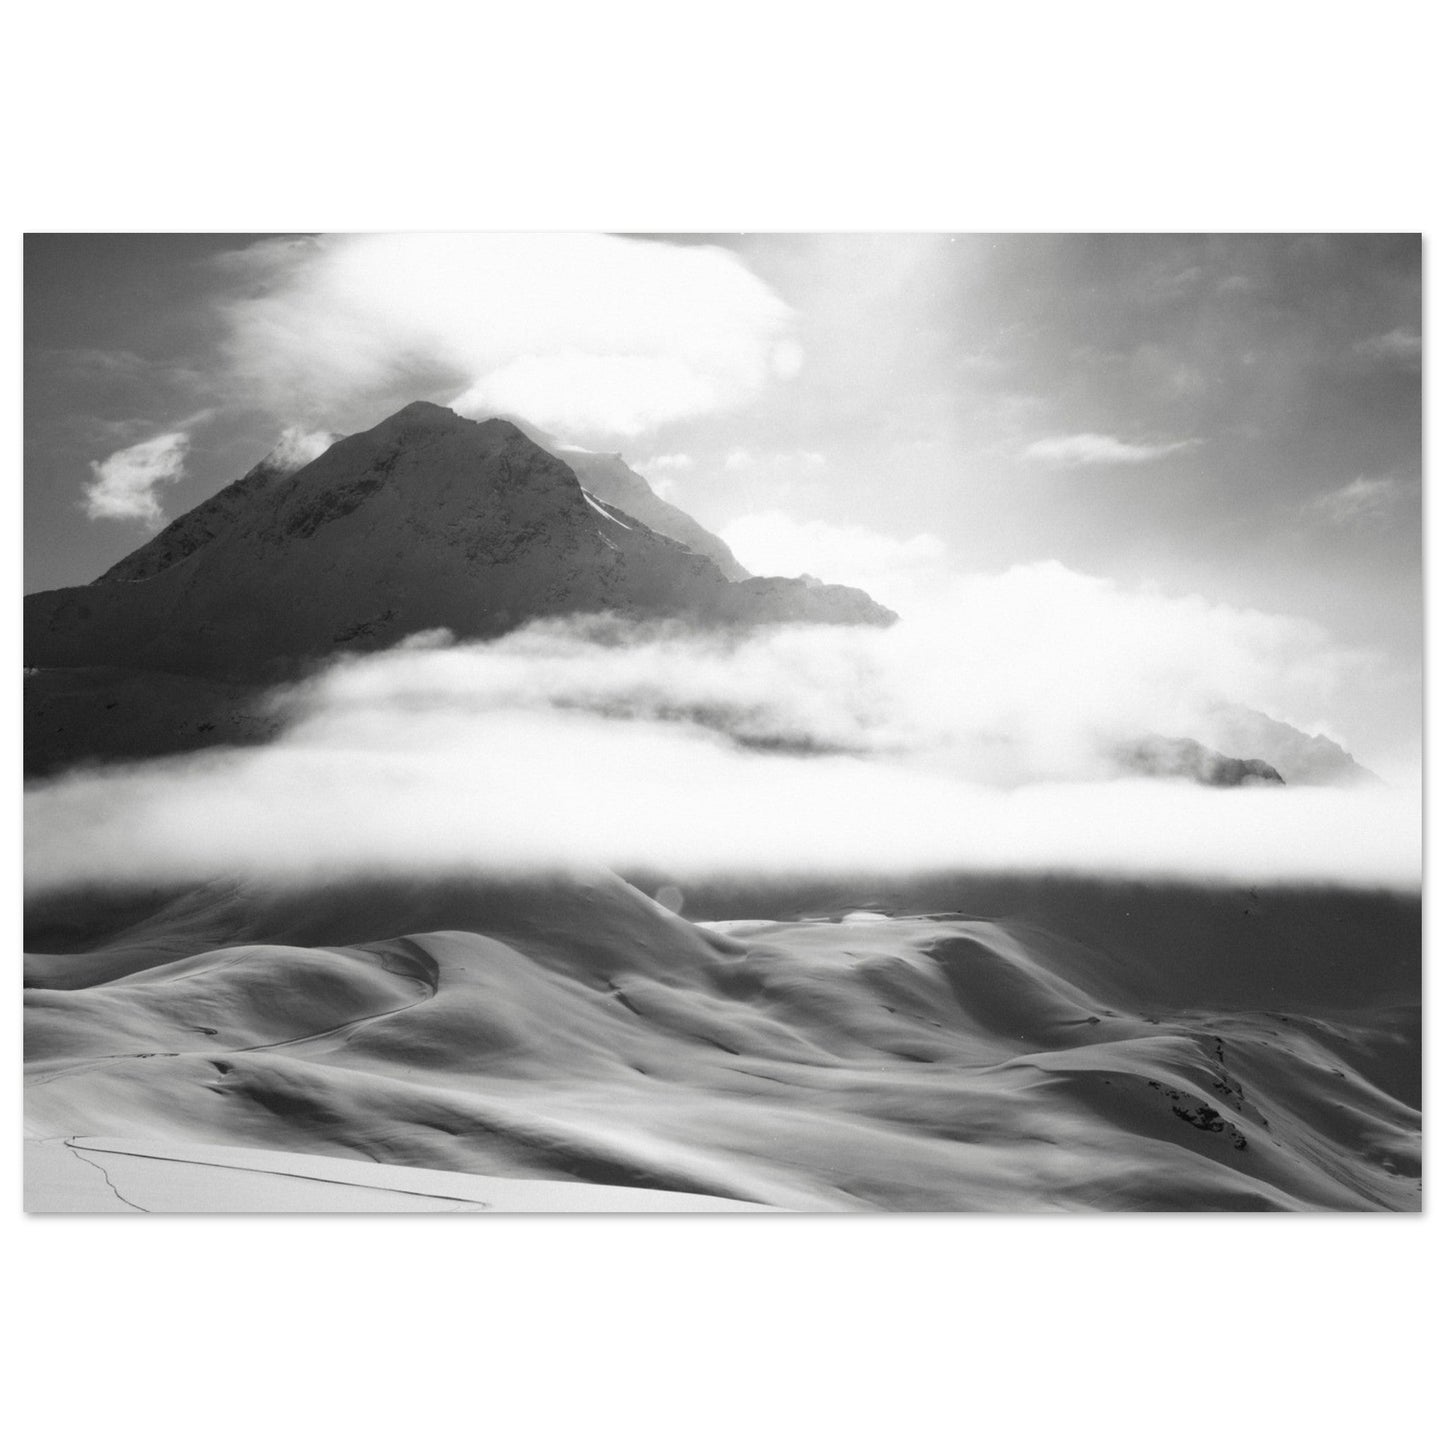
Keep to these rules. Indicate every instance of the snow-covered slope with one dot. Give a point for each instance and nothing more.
(611, 480)
(947, 1044)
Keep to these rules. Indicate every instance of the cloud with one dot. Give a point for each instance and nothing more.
(125, 483)
(975, 736)
(773, 544)
(613, 393)
(1365, 500)
(520, 793)
(1086, 449)
(1399, 347)
(580, 332)
(296, 446)
(662, 472)
(741, 459)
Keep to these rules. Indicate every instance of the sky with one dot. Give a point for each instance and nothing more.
(1213, 422)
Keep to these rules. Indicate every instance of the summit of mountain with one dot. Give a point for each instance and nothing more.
(427, 520)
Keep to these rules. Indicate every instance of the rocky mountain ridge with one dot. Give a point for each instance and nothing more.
(608, 477)
(1153, 756)
(426, 520)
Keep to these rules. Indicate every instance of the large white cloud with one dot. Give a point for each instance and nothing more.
(579, 332)
(519, 790)
(977, 736)
(893, 569)
(1005, 678)
(125, 483)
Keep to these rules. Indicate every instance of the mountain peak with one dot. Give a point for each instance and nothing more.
(424, 411)
(426, 520)
(431, 415)
(425, 419)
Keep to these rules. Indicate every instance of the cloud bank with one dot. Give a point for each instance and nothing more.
(774, 544)
(1027, 675)
(125, 483)
(974, 738)
(585, 333)
(518, 792)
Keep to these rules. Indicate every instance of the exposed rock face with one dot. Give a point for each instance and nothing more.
(425, 521)
(1157, 757)
(611, 480)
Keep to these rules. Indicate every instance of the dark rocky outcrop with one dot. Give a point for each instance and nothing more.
(1158, 757)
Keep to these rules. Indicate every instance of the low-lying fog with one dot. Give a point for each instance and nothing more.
(978, 735)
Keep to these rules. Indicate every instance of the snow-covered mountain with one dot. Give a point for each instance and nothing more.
(427, 520)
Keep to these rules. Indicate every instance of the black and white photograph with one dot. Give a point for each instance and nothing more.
(814, 723)
(725, 723)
